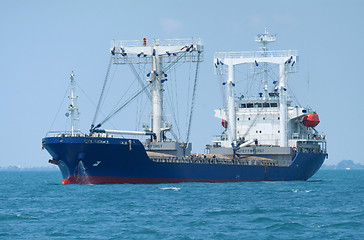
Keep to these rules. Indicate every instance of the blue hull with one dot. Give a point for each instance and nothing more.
(93, 160)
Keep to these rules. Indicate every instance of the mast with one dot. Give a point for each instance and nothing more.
(154, 52)
(265, 39)
(73, 107)
(283, 104)
(157, 96)
(230, 89)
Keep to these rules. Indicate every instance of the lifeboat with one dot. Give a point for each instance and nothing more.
(311, 119)
(224, 123)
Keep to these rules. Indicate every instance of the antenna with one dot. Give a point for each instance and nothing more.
(265, 39)
(308, 89)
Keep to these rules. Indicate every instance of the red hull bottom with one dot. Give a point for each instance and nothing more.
(83, 179)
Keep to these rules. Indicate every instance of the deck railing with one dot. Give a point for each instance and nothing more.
(214, 160)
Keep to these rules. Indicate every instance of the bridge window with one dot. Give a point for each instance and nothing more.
(265, 104)
(243, 105)
(249, 105)
(273, 105)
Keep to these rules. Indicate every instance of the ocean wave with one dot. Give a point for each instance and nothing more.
(170, 188)
(297, 190)
(287, 226)
(17, 217)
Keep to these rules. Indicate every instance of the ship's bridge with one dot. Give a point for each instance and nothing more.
(258, 118)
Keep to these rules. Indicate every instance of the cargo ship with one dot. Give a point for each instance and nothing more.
(264, 136)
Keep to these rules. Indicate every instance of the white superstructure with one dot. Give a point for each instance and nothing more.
(269, 118)
(260, 119)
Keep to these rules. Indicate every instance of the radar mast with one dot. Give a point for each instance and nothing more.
(265, 39)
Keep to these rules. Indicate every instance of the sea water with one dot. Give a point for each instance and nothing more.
(34, 205)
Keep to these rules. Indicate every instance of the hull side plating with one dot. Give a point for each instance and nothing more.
(114, 160)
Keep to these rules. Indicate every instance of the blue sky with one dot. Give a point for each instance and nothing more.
(43, 41)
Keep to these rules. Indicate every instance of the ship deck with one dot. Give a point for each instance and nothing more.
(212, 159)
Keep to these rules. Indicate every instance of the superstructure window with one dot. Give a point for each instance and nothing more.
(250, 105)
(243, 105)
(273, 105)
(257, 105)
(265, 104)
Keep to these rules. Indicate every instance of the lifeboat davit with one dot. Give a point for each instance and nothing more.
(311, 119)
(224, 123)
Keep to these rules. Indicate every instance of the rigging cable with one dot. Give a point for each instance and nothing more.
(102, 93)
(176, 136)
(176, 116)
(166, 69)
(131, 65)
(293, 95)
(59, 108)
(193, 96)
(177, 102)
(124, 105)
(170, 103)
(108, 88)
(92, 102)
(189, 99)
(141, 106)
(127, 90)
